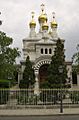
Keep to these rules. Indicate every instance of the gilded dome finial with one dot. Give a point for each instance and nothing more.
(43, 17)
(32, 23)
(53, 13)
(53, 23)
(32, 14)
(42, 7)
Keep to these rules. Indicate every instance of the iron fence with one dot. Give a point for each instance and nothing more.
(47, 98)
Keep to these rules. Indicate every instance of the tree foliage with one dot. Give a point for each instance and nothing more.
(7, 56)
(57, 60)
(28, 75)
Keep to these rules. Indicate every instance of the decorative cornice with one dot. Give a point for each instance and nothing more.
(29, 49)
(31, 39)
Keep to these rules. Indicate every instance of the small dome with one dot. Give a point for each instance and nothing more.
(32, 23)
(54, 24)
(45, 26)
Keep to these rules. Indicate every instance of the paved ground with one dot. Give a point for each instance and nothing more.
(28, 112)
(69, 117)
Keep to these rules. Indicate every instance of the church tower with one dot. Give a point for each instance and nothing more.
(32, 25)
(54, 26)
(42, 18)
(39, 46)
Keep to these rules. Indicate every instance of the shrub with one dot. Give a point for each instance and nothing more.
(4, 83)
(4, 93)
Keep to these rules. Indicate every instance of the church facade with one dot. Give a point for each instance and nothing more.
(40, 47)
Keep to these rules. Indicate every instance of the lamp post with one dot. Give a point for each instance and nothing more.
(61, 104)
(29, 81)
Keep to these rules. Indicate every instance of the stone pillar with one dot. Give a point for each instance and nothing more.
(19, 77)
(36, 89)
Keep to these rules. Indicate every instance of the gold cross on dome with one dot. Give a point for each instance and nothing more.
(53, 13)
(32, 14)
(42, 7)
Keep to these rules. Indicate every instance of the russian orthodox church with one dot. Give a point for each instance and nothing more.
(40, 47)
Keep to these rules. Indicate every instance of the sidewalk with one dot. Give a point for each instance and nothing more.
(29, 112)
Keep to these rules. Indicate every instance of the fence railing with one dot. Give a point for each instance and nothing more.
(23, 98)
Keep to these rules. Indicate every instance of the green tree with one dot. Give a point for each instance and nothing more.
(57, 60)
(28, 75)
(8, 57)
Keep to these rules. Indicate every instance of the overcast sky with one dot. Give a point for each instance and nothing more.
(16, 15)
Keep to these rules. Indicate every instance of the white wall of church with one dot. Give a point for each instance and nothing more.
(32, 56)
(39, 47)
(69, 69)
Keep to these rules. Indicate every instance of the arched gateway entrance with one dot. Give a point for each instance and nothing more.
(40, 72)
(43, 73)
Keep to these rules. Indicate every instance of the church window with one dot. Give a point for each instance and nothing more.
(41, 50)
(50, 51)
(46, 51)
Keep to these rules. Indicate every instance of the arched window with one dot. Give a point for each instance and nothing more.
(50, 51)
(41, 50)
(46, 52)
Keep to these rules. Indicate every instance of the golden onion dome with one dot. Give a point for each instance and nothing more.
(32, 23)
(43, 16)
(45, 26)
(54, 23)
